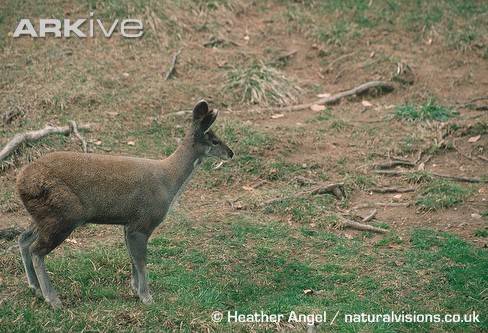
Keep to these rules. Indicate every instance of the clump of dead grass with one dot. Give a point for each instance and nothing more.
(262, 84)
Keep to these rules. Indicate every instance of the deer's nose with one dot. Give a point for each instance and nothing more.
(231, 153)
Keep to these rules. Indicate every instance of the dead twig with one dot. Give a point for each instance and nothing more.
(284, 58)
(360, 226)
(392, 164)
(370, 216)
(336, 189)
(482, 98)
(172, 66)
(482, 158)
(21, 138)
(457, 178)
(219, 41)
(333, 62)
(460, 152)
(380, 204)
(177, 113)
(74, 130)
(386, 86)
(391, 189)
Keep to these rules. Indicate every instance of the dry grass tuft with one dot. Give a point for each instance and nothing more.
(261, 84)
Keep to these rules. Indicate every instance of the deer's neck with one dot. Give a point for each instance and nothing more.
(183, 162)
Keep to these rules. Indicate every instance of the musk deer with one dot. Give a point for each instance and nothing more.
(64, 190)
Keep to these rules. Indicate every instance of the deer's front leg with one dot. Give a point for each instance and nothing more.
(137, 246)
(134, 281)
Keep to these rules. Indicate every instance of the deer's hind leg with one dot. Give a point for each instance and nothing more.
(25, 241)
(53, 233)
(56, 212)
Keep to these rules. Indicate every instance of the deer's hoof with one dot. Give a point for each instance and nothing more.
(36, 291)
(147, 299)
(55, 303)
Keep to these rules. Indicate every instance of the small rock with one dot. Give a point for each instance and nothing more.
(473, 139)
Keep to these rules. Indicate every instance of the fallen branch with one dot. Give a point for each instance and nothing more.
(21, 138)
(381, 204)
(337, 97)
(336, 189)
(482, 158)
(458, 178)
(370, 216)
(360, 226)
(391, 189)
(177, 113)
(482, 98)
(284, 58)
(392, 164)
(172, 66)
(74, 130)
(219, 41)
(342, 57)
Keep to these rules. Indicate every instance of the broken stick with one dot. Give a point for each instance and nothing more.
(74, 130)
(370, 216)
(380, 204)
(391, 189)
(457, 178)
(336, 189)
(172, 66)
(21, 138)
(360, 226)
(392, 164)
(382, 85)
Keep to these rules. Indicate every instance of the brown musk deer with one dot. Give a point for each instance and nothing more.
(64, 190)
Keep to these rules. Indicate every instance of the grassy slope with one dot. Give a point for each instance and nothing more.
(249, 265)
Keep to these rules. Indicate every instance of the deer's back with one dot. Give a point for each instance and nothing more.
(110, 189)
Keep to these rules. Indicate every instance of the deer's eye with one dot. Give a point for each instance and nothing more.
(215, 142)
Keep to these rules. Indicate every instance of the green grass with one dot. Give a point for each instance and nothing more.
(258, 83)
(439, 194)
(481, 233)
(244, 265)
(304, 210)
(430, 110)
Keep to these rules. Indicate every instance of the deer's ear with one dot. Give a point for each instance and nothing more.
(203, 118)
(207, 121)
(200, 111)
